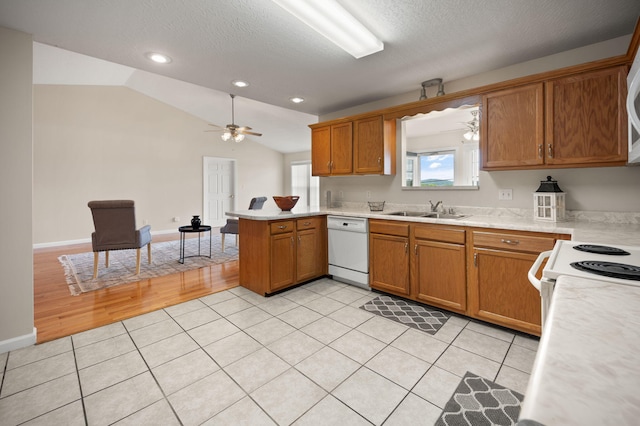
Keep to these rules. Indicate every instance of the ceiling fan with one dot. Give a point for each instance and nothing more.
(473, 127)
(233, 131)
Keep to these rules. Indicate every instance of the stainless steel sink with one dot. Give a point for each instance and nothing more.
(428, 214)
(449, 216)
(412, 214)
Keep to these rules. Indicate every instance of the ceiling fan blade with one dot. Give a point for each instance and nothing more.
(244, 128)
(244, 132)
(215, 125)
(215, 130)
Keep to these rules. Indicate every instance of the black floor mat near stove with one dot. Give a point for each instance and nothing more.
(480, 402)
(408, 313)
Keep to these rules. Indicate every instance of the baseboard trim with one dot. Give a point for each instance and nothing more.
(19, 342)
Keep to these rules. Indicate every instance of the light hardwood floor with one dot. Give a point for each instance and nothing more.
(57, 313)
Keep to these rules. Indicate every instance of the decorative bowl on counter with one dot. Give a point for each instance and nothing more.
(286, 203)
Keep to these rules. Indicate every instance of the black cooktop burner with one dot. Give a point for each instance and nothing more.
(609, 269)
(593, 248)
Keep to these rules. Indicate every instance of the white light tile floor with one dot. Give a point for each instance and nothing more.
(307, 356)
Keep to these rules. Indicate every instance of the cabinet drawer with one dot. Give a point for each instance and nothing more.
(438, 233)
(281, 227)
(515, 242)
(400, 229)
(308, 223)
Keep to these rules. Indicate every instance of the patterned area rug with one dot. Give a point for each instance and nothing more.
(122, 263)
(412, 314)
(479, 402)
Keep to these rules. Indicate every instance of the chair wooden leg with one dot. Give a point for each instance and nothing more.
(137, 261)
(106, 259)
(222, 235)
(95, 264)
(149, 252)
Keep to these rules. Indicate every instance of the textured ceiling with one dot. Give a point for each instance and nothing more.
(213, 42)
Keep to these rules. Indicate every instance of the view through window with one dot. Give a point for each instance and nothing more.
(304, 185)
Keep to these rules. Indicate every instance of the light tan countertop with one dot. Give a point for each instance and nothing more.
(609, 229)
(586, 370)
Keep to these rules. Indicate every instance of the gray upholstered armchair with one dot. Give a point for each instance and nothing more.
(115, 224)
(232, 224)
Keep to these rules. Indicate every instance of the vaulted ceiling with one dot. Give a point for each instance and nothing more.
(213, 42)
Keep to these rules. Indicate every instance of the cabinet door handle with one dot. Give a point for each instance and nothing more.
(406, 248)
(540, 151)
(329, 165)
(307, 223)
(379, 160)
(415, 249)
(282, 226)
(299, 240)
(550, 150)
(292, 241)
(512, 242)
(475, 259)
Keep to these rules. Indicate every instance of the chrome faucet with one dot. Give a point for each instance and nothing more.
(434, 207)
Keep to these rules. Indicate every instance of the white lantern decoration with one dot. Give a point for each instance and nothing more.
(549, 202)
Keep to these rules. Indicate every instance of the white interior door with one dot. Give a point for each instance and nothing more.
(219, 189)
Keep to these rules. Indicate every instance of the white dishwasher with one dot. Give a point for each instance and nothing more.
(349, 249)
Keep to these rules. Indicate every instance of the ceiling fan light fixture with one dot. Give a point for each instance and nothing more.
(239, 137)
(331, 20)
(225, 136)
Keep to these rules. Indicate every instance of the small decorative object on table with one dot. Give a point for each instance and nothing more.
(195, 222)
(376, 206)
(286, 203)
(549, 202)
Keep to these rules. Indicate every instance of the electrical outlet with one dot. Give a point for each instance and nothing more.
(176, 219)
(368, 195)
(145, 222)
(505, 194)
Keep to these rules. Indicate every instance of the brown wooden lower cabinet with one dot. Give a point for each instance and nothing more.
(277, 254)
(476, 272)
(439, 267)
(498, 288)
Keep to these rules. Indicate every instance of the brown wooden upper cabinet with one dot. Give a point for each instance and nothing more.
(512, 127)
(372, 148)
(587, 118)
(361, 146)
(332, 150)
(573, 121)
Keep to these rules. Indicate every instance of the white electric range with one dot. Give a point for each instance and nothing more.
(617, 264)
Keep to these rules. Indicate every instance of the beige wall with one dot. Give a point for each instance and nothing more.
(599, 189)
(16, 259)
(104, 142)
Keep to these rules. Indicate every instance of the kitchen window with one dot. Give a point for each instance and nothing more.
(304, 185)
(436, 168)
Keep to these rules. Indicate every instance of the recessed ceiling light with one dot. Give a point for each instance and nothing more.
(158, 58)
(296, 100)
(239, 83)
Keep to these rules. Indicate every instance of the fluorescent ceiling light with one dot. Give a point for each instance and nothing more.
(332, 21)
